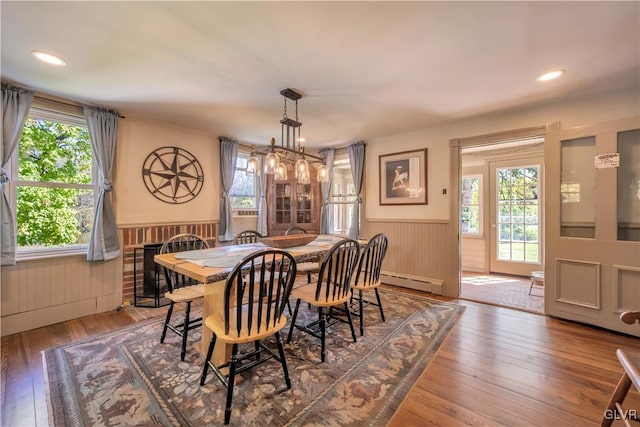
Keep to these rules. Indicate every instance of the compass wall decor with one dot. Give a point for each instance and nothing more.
(172, 175)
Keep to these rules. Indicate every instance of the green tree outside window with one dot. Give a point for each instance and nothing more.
(55, 197)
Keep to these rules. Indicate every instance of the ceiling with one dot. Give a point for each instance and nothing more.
(365, 69)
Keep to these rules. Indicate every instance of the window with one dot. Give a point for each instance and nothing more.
(54, 180)
(244, 189)
(470, 206)
(343, 195)
(518, 219)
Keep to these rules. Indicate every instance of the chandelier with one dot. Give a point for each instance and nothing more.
(290, 150)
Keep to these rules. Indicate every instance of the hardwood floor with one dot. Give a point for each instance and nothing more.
(497, 367)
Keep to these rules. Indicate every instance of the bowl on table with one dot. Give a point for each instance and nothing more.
(283, 242)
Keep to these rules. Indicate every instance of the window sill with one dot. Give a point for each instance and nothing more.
(37, 254)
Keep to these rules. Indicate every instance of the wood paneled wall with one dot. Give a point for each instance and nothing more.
(473, 255)
(416, 248)
(245, 222)
(46, 291)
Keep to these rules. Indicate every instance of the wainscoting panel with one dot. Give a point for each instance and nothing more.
(45, 291)
(245, 222)
(578, 283)
(627, 285)
(416, 249)
(473, 255)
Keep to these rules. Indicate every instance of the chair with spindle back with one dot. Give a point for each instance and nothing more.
(246, 237)
(255, 294)
(332, 289)
(367, 276)
(631, 376)
(182, 289)
(307, 268)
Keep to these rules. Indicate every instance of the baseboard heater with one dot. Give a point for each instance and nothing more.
(419, 283)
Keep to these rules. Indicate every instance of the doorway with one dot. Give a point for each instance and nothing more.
(501, 222)
(515, 214)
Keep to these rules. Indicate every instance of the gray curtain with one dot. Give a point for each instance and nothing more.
(262, 199)
(103, 129)
(356, 159)
(15, 108)
(228, 157)
(325, 187)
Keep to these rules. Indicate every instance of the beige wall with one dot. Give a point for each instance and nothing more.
(570, 113)
(134, 205)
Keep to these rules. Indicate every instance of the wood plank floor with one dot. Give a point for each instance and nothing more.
(498, 367)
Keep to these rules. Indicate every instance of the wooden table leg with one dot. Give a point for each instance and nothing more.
(214, 303)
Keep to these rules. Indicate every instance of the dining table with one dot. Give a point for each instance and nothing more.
(212, 266)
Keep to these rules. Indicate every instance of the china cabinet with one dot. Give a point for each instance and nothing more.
(292, 204)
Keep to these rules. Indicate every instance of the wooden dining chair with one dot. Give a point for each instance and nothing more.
(261, 282)
(246, 236)
(631, 376)
(307, 268)
(332, 289)
(296, 229)
(367, 276)
(182, 289)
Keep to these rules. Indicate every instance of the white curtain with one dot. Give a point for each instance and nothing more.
(228, 158)
(356, 159)
(15, 108)
(325, 215)
(262, 199)
(103, 130)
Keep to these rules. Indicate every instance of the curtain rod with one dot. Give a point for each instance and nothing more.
(42, 98)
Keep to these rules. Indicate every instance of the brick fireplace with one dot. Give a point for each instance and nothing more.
(138, 236)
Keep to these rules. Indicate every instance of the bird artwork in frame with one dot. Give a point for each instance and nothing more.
(403, 178)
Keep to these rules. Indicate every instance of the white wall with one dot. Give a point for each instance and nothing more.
(134, 205)
(570, 113)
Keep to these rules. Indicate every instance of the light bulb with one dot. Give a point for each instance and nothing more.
(253, 166)
(323, 173)
(270, 162)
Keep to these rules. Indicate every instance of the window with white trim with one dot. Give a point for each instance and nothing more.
(243, 193)
(343, 195)
(470, 205)
(53, 184)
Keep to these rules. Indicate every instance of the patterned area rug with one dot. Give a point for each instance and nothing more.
(127, 377)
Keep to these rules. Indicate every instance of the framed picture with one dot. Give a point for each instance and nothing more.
(403, 178)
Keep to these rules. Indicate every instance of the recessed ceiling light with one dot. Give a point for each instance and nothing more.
(48, 58)
(550, 75)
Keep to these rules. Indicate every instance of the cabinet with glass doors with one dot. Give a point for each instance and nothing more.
(292, 204)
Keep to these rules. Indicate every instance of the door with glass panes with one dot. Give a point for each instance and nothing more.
(592, 261)
(516, 238)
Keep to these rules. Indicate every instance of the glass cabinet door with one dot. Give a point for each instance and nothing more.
(283, 203)
(303, 204)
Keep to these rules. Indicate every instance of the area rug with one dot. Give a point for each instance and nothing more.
(126, 377)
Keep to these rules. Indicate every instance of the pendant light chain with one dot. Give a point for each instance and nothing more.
(276, 159)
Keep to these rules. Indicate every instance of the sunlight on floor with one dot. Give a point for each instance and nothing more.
(487, 280)
(507, 291)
